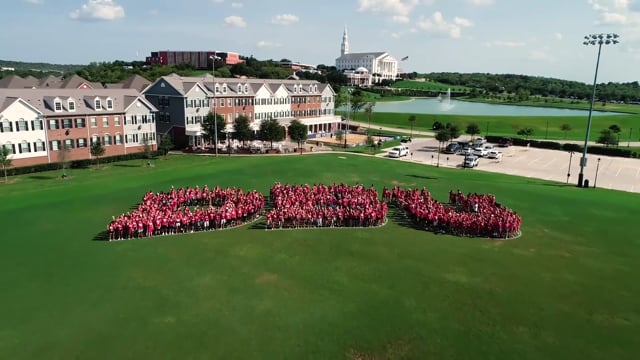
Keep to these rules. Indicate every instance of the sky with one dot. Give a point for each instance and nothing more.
(534, 37)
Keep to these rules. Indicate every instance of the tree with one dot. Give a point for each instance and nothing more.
(339, 136)
(607, 137)
(165, 145)
(472, 129)
(63, 159)
(437, 125)
(5, 161)
(371, 142)
(146, 147)
(97, 151)
(526, 132)
(443, 135)
(566, 128)
(271, 130)
(453, 129)
(298, 132)
(209, 128)
(368, 110)
(356, 102)
(615, 129)
(412, 121)
(242, 129)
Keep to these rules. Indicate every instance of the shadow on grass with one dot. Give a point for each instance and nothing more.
(422, 177)
(128, 165)
(101, 236)
(42, 177)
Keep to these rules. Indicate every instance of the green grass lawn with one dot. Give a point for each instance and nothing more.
(567, 289)
(428, 85)
(509, 125)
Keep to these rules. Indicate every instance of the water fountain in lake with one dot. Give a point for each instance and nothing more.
(445, 102)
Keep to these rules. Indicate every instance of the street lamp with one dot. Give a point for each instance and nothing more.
(596, 179)
(593, 39)
(215, 105)
(569, 169)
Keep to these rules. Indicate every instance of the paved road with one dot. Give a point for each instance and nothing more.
(613, 172)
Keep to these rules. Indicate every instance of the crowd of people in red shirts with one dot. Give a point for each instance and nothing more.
(476, 215)
(186, 210)
(337, 205)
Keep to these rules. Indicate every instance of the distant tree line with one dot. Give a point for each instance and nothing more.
(524, 86)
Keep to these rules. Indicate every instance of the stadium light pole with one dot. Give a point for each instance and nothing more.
(593, 39)
(215, 105)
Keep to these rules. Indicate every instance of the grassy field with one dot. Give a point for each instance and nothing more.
(567, 289)
(509, 125)
(427, 85)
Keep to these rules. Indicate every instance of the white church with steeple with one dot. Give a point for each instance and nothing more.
(365, 69)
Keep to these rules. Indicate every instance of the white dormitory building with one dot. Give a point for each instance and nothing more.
(365, 69)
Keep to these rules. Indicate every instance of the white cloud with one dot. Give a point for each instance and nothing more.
(558, 36)
(438, 25)
(236, 21)
(507, 44)
(401, 19)
(96, 10)
(34, 2)
(541, 55)
(236, 5)
(481, 2)
(396, 35)
(153, 12)
(217, 1)
(396, 7)
(285, 19)
(267, 44)
(608, 18)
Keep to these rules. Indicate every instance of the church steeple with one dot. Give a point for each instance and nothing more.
(344, 48)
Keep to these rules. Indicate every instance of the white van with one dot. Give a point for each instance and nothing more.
(399, 151)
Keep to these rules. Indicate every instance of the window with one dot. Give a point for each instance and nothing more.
(21, 125)
(98, 104)
(36, 124)
(105, 121)
(246, 88)
(217, 89)
(38, 146)
(118, 139)
(55, 145)
(224, 89)
(71, 105)
(229, 103)
(109, 104)
(80, 123)
(94, 122)
(10, 147)
(95, 139)
(239, 89)
(229, 118)
(67, 123)
(24, 147)
(221, 102)
(57, 105)
(53, 124)
(116, 120)
(106, 139)
(82, 143)
(68, 143)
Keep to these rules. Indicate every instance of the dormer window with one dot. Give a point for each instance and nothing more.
(71, 105)
(224, 89)
(109, 104)
(239, 89)
(246, 88)
(295, 89)
(57, 105)
(98, 104)
(217, 90)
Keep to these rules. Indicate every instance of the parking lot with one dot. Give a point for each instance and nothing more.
(613, 172)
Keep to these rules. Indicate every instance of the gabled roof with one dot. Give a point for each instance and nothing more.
(10, 100)
(13, 82)
(43, 99)
(129, 100)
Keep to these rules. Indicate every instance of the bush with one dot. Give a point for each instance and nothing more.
(75, 164)
(571, 147)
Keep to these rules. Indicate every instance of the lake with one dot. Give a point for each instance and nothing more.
(455, 107)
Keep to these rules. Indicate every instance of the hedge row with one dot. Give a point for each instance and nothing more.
(597, 150)
(75, 164)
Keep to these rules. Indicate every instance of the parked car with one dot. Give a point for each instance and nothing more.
(494, 154)
(399, 151)
(470, 161)
(505, 142)
(479, 151)
(452, 148)
(479, 141)
(465, 151)
(405, 140)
